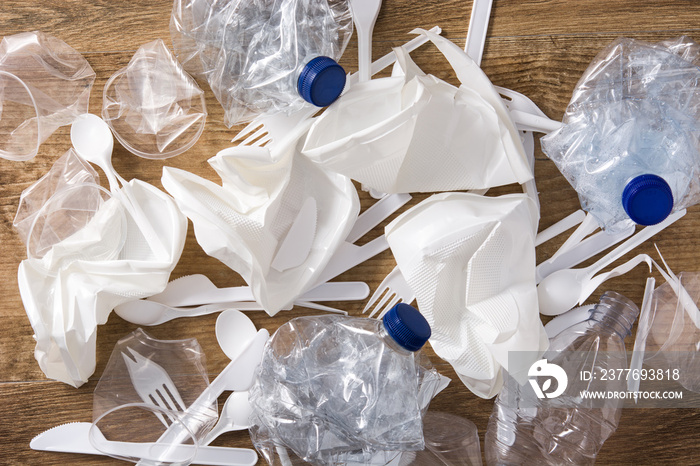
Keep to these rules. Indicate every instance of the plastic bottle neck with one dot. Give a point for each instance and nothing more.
(614, 314)
(390, 342)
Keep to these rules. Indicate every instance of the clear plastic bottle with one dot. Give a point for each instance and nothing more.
(629, 143)
(567, 429)
(260, 56)
(337, 390)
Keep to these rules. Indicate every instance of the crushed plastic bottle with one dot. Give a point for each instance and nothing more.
(566, 428)
(630, 139)
(341, 390)
(260, 56)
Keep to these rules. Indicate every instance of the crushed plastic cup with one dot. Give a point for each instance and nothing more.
(673, 336)
(80, 222)
(143, 392)
(44, 84)
(68, 170)
(154, 108)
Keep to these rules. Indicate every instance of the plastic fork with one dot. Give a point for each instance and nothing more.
(392, 290)
(268, 128)
(153, 385)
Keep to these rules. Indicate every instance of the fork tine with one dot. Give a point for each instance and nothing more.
(262, 141)
(161, 416)
(379, 292)
(252, 127)
(164, 396)
(383, 288)
(175, 399)
(252, 139)
(389, 296)
(388, 307)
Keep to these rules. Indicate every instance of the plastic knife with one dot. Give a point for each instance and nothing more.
(74, 438)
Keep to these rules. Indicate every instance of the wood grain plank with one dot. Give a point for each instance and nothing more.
(539, 48)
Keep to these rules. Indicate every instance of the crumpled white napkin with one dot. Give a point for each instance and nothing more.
(470, 260)
(413, 132)
(243, 222)
(66, 300)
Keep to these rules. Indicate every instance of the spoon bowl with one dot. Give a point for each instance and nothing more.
(234, 416)
(93, 141)
(234, 331)
(92, 138)
(560, 291)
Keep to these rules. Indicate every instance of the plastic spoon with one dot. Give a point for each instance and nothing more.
(145, 312)
(364, 15)
(93, 141)
(586, 249)
(563, 289)
(235, 415)
(197, 289)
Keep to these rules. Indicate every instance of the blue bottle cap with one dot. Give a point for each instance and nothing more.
(321, 81)
(647, 199)
(407, 326)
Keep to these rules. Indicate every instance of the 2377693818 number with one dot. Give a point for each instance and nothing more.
(634, 374)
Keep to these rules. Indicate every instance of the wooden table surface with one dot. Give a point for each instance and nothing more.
(539, 48)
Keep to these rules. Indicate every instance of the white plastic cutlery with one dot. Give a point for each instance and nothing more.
(375, 214)
(93, 141)
(582, 251)
(560, 227)
(640, 338)
(349, 255)
(561, 290)
(145, 312)
(478, 26)
(364, 15)
(153, 385)
(233, 331)
(587, 226)
(74, 437)
(392, 290)
(296, 245)
(235, 415)
(194, 290)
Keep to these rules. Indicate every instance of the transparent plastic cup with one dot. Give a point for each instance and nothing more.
(44, 84)
(80, 222)
(154, 108)
(66, 171)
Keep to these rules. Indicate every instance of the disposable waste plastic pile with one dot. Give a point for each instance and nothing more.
(285, 216)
